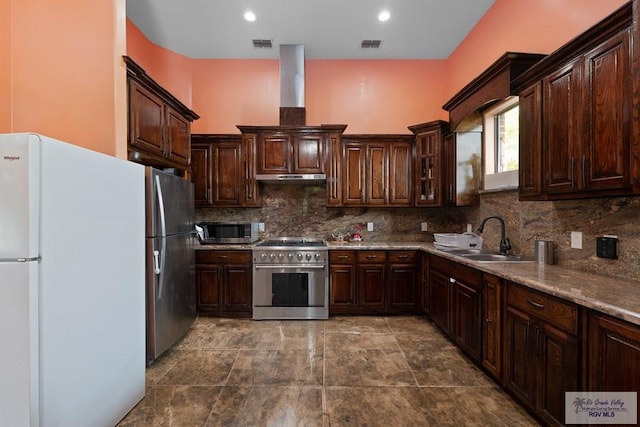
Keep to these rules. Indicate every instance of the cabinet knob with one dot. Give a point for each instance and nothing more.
(536, 304)
(452, 280)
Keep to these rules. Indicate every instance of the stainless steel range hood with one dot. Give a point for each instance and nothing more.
(307, 178)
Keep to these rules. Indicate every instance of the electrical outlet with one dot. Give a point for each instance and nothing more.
(576, 239)
(370, 226)
(424, 226)
(261, 226)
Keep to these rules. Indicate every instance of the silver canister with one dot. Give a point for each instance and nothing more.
(544, 251)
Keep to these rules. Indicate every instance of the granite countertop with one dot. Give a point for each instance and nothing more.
(617, 297)
(614, 296)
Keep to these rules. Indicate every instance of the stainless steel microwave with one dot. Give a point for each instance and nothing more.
(227, 232)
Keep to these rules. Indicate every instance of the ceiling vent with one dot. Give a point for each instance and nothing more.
(262, 43)
(370, 44)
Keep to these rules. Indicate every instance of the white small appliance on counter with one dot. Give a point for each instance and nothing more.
(72, 276)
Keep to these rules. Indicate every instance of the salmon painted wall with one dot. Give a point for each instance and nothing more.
(5, 66)
(536, 26)
(369, 96)
(66, 74)
(171, 70)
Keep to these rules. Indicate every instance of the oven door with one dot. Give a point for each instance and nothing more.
(290, 292)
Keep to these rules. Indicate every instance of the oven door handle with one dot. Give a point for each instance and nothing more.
(290, 267)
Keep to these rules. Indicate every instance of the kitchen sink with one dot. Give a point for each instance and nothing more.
(468, 251)
(493, 257)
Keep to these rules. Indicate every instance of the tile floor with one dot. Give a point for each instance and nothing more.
(346, 371)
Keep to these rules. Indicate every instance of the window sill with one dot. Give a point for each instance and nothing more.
(499, 189)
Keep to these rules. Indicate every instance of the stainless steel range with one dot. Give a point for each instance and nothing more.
(290, 279)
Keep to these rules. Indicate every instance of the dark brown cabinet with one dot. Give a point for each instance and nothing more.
(429, 174)
(224, 283)
(159, 125)
(542, 351)
(292, 149)
(614, 354)
(575, 116)
(374, 282)
(455, 297)
(343, 281)
(377, 170)
(492, 300)
(222, 171)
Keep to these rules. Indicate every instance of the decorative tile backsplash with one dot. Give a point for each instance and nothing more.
(301, 210)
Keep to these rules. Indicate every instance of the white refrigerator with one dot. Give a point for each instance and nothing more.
(72, 284)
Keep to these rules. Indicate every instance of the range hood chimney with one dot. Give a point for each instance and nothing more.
(292, 111)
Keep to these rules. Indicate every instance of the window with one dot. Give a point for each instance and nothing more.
(501, 141)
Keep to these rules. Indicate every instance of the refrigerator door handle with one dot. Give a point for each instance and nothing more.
(163, 230)
(156, 262)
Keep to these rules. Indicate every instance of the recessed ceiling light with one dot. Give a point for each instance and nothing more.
(249, 16)
(384, 16)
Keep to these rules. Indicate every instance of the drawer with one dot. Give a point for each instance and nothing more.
(559, 313)
(403, 256)
(371, 256)
(342, 257)
(223, 257)
(467, 275)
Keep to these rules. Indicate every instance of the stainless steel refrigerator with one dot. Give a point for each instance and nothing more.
(171, 294)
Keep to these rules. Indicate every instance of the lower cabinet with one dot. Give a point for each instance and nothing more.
(492, 301)
(455, 303)
(380, 282)
(542, 351)
(224, 283)
(614, 354)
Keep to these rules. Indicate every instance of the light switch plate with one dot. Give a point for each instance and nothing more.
(424, 226)
(261, 226)
(576, 239)
(370, 226)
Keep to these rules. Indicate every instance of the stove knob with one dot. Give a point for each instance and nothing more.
(281, 257)
(263, 257)
(308, 257)
(317, 256)
(272, 257)
(299, 256)
(290, 256)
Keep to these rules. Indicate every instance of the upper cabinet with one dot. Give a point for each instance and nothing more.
(576, 116)
(159, 125)
(223, 171)
(291, 149)
(377, 170)
(430, 183)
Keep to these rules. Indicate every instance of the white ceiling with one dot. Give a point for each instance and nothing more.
(329, 29)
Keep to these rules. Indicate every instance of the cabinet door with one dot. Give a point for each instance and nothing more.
(376, 173)
(227, 174)
(520, 369)
(178, 144)
(334, 171)
(530, 166)
(424, 291)
(354, 156)
(491, 325)
(146, 120)
(237, 290)
(561, 124)
(449, 169)
(440, 299)
(371, 286)
(428, 170)
(308, 153)
(605, 162)
(208, 287)
(250, 197)
(274, 153)
(468, 321)
(614, 353)
(559, 362)
(201, 173)
(403, 287)
(343, 287)
(400, 174)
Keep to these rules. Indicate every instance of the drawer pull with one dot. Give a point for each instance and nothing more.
(343, 256)
(371, 256)
(488, 320)
(403, 256)
(536, 304)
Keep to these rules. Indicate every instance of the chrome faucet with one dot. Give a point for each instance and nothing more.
(505, 245)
